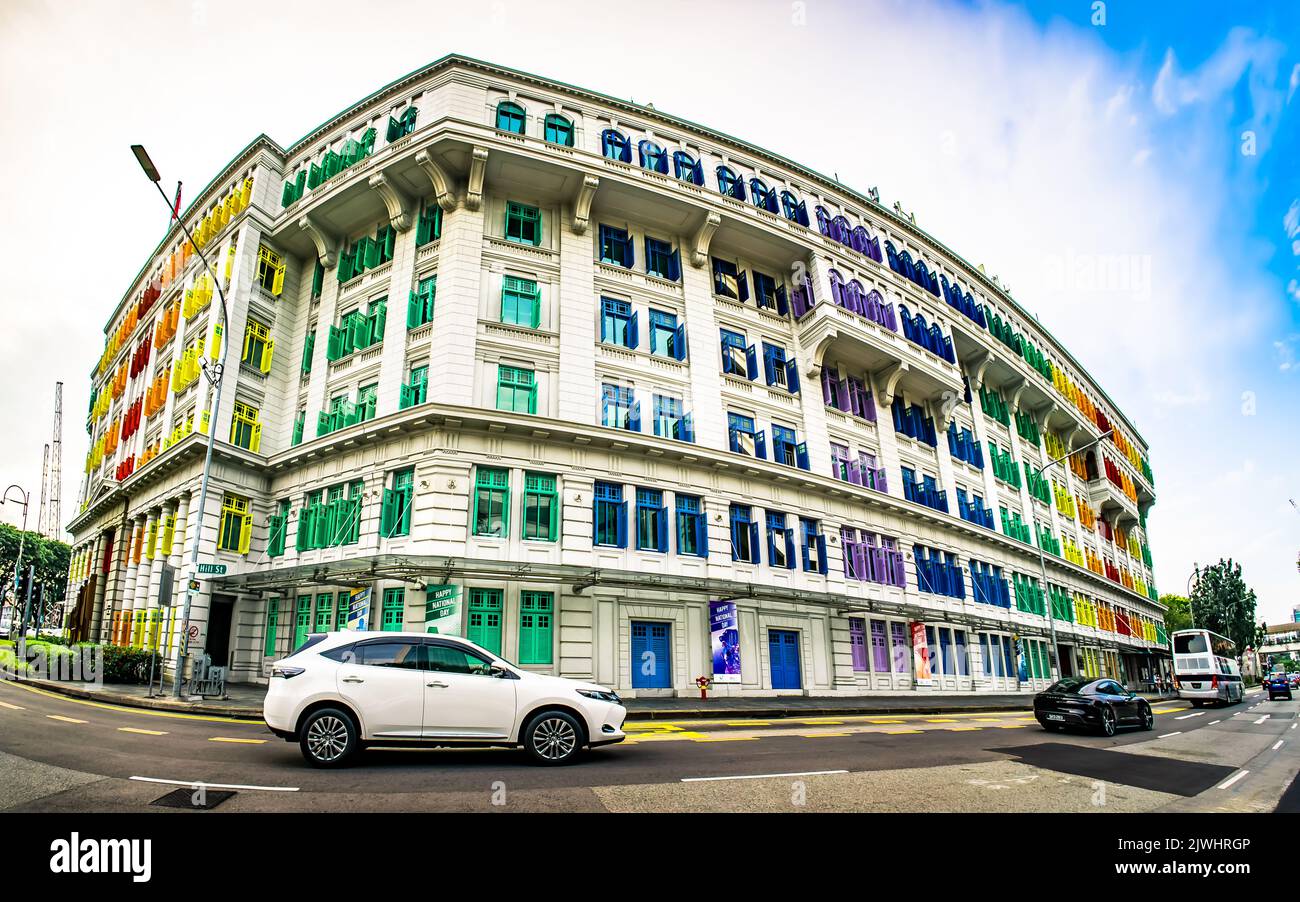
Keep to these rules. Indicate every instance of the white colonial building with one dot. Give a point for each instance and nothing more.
(603, 390)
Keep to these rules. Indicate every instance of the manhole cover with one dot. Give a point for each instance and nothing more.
(193, 799)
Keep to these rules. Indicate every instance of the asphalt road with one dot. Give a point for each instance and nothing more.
(61, 754)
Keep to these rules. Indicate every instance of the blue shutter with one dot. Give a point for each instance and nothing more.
(743, 282)
(792, 376)
(620, 529)
(634, 417)
(679, 342)
(753, 540)
(751, 363)
(675, 265)
(801, 455)
(602, 320)
(735, 537)
(633, 332)
(662, 537)
(688, 429)
(789, 548)
(782, 305)
(760, 444)
(702, 533)
(769, 367)
(821, 545)
(629, 252)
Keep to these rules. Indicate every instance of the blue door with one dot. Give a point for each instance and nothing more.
(651, 661)
(783, 649)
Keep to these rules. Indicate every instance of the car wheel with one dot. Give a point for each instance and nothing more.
(329, 738)
(1196, 703)
(1107, 721)
(1148, 718)
(554, 737)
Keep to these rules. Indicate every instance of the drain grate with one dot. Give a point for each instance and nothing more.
(193, 799)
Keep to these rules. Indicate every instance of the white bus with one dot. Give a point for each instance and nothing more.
(1205, 668)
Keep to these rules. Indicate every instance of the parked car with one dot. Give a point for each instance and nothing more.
(1096, 704)
(343, 691)
(1278, 686)
(1294, 680)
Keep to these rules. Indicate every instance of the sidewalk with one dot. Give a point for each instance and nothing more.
(245, 701)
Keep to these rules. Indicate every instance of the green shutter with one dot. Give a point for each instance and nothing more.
(272, 621)
(484, 616)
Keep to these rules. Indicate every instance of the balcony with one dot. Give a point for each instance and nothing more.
(861, 337)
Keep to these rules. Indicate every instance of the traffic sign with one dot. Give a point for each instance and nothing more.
(213, 569)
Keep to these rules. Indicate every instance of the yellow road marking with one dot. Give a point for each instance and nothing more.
(941, 720)
(12, 707)
(229, 739)
(1167, 710)
(124, 709)
(964, 729)
(1013, 726)
(821, 735)
(989, 719)
(822, 720)
(748, 723)
(142, 732)
(64, 719)
(901, 732)
(878, 722)
(727, 739)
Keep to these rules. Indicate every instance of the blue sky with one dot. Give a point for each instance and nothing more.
(1022, 136)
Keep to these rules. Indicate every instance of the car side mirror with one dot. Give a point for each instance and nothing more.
(499, 672)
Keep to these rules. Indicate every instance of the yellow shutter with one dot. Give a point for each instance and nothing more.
(278, 285)
(267, 352)
(256, 441)
(246, 534)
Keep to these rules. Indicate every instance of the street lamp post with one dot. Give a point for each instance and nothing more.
(213, 375)
(1054, 658)
(24, 498)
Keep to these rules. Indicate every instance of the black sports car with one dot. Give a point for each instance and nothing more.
(1098, 704)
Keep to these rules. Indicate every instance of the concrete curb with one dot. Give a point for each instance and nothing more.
(124, 700)
(634, 712)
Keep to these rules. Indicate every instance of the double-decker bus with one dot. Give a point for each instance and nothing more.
(1205, 668)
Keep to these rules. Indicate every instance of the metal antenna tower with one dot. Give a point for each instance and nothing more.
(45, 483)
(51, 523)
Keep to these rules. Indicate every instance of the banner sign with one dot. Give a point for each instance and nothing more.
(724, 624)
(1022, 663)
(921, 655)
(442, 610)
(359, 609)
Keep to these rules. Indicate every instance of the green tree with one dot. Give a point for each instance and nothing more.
(1224, 604)
(1178, 612)
(50, 556)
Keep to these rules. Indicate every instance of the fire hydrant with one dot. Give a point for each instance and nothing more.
(704, 683)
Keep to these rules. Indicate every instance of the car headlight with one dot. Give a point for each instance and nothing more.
(286, 671)
(601, 695)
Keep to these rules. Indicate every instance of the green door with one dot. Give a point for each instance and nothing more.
(484, 613)
(302, 624)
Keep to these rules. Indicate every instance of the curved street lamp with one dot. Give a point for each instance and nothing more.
(213, 375)
(24, 498)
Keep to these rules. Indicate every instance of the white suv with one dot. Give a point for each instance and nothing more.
(342, 691)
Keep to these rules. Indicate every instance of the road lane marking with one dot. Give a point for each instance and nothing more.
(941, 720)
(64, 719)
(883, 722)
(1168, 710)
(823, 735)
(964, 729)
(1228, 782)
(142, 732)
(806, 773)
(1262, 719)
(122, 709)
(726, 739)
(1167, 735)
(1213, 722)
(990, 719)
(1013, 726)
(1193, 714)
(822, 720)
(12, 707)
(748, 723)
(231, 739)
(197, 783)
(902, 732)
(1277, 745)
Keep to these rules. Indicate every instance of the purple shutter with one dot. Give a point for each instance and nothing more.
(857, 639)
(879, 657)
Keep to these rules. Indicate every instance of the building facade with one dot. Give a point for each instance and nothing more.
(601, 389)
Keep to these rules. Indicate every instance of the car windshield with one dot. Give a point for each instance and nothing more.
(1068, 684)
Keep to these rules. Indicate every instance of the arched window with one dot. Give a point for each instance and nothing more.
(859, 240)
(794, 209)
(893, 257)
(653, 157)
(730, 184)
(840, 230)
(853, 296)
(558, 129)
(909, 268)
(873, 306)
(763, 196)
(823, 221)
(837, 282)
(403, 125)
(510, 117)
(615, 145)
(687, 168)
